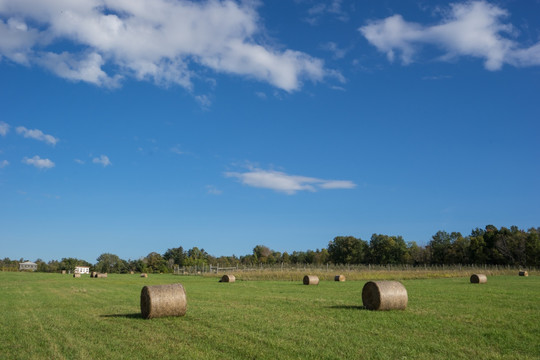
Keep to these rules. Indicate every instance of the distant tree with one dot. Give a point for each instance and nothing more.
(176, 254)
(347, 250)
(68, 264)
(156, 263)
(111, 263)
(384, 249)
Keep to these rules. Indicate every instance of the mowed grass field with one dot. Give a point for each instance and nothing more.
(53, 316)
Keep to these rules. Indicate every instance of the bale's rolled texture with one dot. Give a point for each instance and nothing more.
(77, 275)
(163, 300)
(228, 278)
(384, 295)
(144, 275)
(478, 279)
(99, 275)
(311, 280)
(339, 278)
(523, 273)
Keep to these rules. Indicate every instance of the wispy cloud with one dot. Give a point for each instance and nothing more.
(4, 128)
(4, 163)
(473, 29)
(102, 160)
(79, 161)
(163, 41)
(289, 184)
(37, 135)
(211, 189)
(334, 8)
(39, 162)
(337, 52)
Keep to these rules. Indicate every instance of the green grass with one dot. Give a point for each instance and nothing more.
(52, 316)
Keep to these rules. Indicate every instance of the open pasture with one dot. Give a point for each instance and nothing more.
(53, 316)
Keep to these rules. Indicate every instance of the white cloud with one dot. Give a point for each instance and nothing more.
(79, 161)
(4, 128)
(472, 29)
(37, 135)
(157, 40)
(289, 184)
(102, 160)
(4, 163)
(212, 190)
(39, 162)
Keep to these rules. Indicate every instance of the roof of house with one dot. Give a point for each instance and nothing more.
(29, 263)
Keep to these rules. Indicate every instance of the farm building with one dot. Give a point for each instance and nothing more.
(28, 265)
(82, 270)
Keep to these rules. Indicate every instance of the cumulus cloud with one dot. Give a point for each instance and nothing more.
(4, 163)
(102, 160)
(38, 162)
(289, 184)
(474, 29)
(4, 128)
(158, 40)
(37, 135)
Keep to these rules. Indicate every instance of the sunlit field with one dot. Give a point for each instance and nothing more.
(53, 316)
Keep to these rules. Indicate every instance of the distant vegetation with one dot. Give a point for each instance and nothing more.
(489, 246)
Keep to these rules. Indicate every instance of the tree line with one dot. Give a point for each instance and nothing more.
(490, 246)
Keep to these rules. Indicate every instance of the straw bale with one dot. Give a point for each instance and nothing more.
(76, 275)
(163, 300)
(339, 278)
(478, 279)
(523, 273)
(101, 275)
(228, 278)
(63, 272)
(311, 280)
(384, 295)
(144, 275)
(93, 274)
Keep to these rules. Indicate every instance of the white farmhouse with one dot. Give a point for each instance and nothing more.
(28, 265)
(82, 270)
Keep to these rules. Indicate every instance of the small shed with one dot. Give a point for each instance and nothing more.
(28, 265)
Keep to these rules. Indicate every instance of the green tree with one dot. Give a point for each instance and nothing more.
(176, 254)
(155, 263)
(347, 250)
(386, 249)
(110, 263)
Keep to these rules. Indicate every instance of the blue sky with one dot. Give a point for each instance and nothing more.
(137, 126)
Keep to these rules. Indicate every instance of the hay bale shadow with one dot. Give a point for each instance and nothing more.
(125, 316)
(348, 307)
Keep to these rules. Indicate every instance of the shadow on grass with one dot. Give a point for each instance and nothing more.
(348, 307)
(125, 316)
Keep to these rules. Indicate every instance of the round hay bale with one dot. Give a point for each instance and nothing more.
(384, 295)
(93, 274)
(523, 273)
(76, 275)
(311, 280)
(228, 278)
(131, 272)
(163, 300)
(144, 275)
(99, 275)
(478, 279)
(63, 272)
(339, 278)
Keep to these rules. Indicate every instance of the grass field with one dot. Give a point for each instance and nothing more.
(53, 316)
